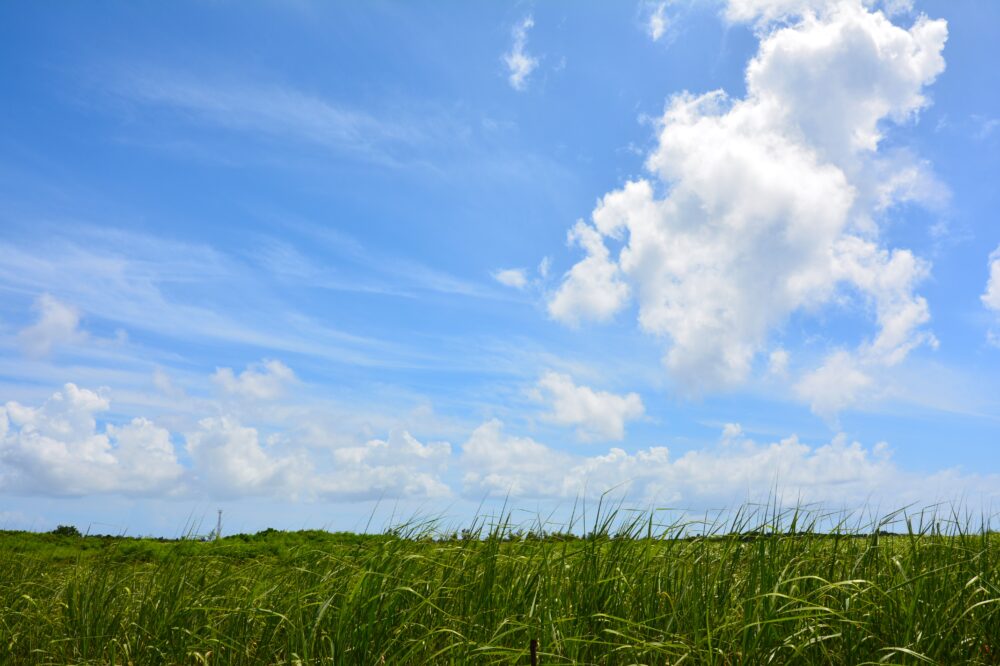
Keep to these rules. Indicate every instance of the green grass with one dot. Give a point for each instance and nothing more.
(764, 587)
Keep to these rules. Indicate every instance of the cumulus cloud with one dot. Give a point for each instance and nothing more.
(230, 461)
(265, 380)
(593, 289)
(59, 449)
(520, 63)
(734, 470)
(772, 203)
(399, 466)
(597, 415)
(233, 460)
(57, 323)
(511, 277)
(500, 465)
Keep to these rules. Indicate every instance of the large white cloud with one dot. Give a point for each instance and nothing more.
(597, 415)
(58, 449)
(771, 204)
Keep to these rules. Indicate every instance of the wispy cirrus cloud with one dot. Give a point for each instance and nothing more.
(274, 111)
(658, 21)
(520, 63)
(183, 291)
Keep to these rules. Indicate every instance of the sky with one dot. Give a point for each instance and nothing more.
(334, 265)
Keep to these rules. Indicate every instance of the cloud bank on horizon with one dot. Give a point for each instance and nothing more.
(59, 448)
(778, 257)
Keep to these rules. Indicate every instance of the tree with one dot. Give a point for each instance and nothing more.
(66, 530)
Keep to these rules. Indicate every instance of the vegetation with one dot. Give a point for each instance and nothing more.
(763, 587)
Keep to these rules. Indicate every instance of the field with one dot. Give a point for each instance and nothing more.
(758, 588)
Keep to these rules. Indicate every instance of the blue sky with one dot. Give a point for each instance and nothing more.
(306, 261)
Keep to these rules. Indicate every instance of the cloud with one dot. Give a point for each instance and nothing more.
(597, 415)
(991, 297)
(838, 383)
(658, 22)
(501, 465)
(893, 7)
(777, 363)
(511, 277)
(731, 472)
(594, 288)
(230, 461)
(985, 126)
(132, 282)
(265, 380)
(772, 203)
(58, 323)
(268, 451)
(399, 466)
(276, 111)
(769, 11)
(544, 266)
(519, 62)
(58, 449)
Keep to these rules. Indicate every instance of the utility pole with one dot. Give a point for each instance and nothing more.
(218, 527)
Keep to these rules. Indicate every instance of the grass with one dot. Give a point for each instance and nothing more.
(763, 587)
